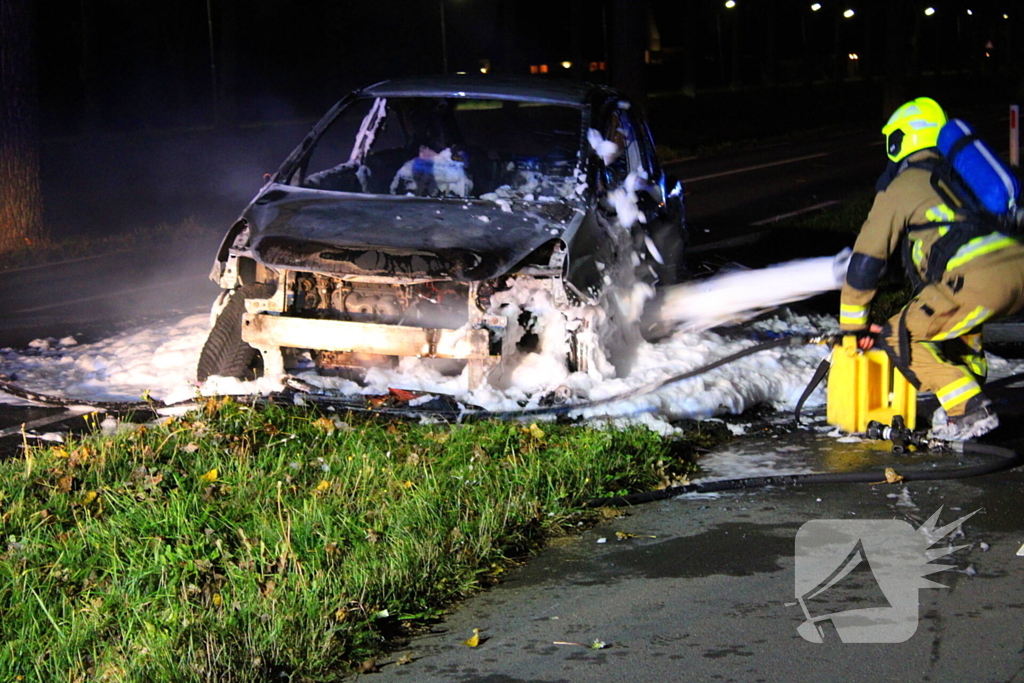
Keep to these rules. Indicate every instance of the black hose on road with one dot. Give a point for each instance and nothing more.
(62, 402)
(1003, 459)
(648, 388)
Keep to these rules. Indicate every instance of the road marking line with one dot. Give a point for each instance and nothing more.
(62, 304)
(791, 214)
(755, 168)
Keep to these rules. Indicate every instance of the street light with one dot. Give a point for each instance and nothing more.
(929, 11)
(729, 4)
(970, 13)
(848, 13)
(815, 7)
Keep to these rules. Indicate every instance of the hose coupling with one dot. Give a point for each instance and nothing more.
(818, 339)
(903, 438)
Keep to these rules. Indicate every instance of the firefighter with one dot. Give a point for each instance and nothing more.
(936, 339)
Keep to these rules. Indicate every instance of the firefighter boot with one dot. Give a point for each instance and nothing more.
(978, 420)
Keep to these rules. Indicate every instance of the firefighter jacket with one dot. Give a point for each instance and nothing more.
(906, 209)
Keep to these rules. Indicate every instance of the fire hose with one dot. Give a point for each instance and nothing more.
(1002, 458)
(472, 414)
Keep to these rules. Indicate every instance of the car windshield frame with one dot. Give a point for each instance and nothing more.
(495, 172)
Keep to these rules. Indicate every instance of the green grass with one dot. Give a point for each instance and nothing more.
(238, 544)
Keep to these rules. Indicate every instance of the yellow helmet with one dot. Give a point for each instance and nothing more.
(912, 127)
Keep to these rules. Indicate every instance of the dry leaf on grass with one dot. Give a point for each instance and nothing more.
(325, 424)
(473, 640)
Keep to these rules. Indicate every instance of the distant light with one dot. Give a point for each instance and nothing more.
(566, 65)
(460, 73)
(853, 56)
(848, 13)
(729, 4)
(815, 7)
(484, 69)
(970, 13)
(1006, 16)
(929, 11)
(543, 68)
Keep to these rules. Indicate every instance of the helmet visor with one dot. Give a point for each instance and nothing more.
(894, 143)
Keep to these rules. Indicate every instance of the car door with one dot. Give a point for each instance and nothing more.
(660, 227)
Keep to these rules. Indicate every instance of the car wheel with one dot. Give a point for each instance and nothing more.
(224, 352)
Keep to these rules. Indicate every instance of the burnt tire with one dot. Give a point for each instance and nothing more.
(224, 352)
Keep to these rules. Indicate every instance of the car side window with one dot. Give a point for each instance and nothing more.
(620, 129)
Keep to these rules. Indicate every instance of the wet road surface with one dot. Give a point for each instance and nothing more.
(704, 590)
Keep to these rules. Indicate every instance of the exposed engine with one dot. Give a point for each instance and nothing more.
(428, 304)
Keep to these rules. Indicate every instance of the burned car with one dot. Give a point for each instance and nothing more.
(428, 217)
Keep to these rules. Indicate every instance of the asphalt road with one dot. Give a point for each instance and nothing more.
(705, 590)
(734, 199)
(93, 297)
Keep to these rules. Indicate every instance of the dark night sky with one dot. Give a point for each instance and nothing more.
(154, 56)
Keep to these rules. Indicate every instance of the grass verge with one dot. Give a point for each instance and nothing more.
(243, 544)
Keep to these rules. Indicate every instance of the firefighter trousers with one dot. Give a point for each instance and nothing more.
(936, 339)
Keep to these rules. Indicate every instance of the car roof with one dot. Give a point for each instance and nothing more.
(523, 88)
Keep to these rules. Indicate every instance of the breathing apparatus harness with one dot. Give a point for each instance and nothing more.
(971, 179)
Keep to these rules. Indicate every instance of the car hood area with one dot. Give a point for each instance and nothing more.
(404, 237)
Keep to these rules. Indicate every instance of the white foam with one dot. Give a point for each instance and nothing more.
(738, 295)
